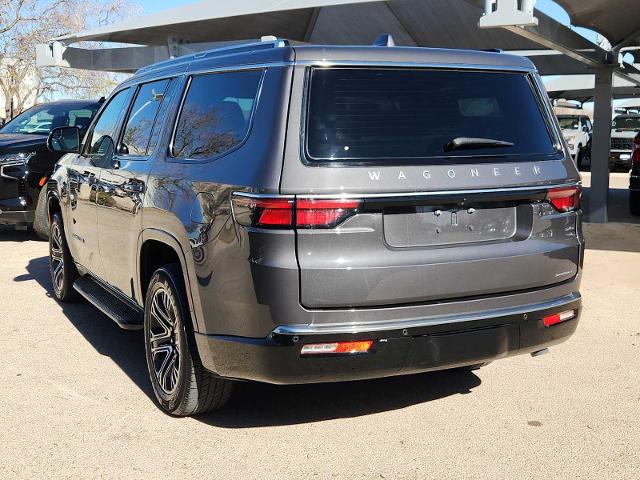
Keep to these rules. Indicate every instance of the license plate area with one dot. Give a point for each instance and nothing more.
(441, 225)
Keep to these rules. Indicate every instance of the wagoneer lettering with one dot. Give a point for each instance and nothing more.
(329, 215)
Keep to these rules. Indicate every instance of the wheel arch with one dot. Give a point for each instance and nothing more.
(53, 203)
(156, 248)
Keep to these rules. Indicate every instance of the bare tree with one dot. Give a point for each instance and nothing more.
(24, 23)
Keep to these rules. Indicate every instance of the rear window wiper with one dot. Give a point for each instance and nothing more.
(462, 143)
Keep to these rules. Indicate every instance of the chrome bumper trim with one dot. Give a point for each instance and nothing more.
(329, 329)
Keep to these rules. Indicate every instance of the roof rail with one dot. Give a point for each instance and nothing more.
(227, 48)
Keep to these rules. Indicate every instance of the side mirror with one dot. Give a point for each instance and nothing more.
(64, 140)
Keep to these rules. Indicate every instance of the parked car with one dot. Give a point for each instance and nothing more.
(298, 214)
(634, 181)
(26, 164)
(577, 130)
(624, 130)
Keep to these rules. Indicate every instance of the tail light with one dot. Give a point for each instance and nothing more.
(564, 199)
(311, 213)
(635, 157)
(286, 212)
(263, 212)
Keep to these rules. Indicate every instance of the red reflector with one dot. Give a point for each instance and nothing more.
(362, 346)
(558, 317)
(42, 181)
(324, 213)
(564, 199)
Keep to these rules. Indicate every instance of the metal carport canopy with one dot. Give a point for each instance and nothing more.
(190, 28)
(616, 20)
(581, 88)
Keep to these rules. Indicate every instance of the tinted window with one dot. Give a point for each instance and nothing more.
(399, 114)
(42, 119)
(623, 122)
(105, 128)
(216, 113)
(137, 133)
(569, 123)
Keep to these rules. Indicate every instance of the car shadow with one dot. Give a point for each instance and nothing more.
(262, 405)
(125, 348)
(256, 404)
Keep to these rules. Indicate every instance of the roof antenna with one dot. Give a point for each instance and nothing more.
(384, 40)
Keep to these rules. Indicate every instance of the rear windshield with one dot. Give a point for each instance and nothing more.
(626, 123)
(405, 115)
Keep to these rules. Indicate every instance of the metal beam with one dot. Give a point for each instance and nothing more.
(601, 145)
(122, 60)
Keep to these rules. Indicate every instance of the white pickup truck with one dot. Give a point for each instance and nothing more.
(623, 130)
(577, 131)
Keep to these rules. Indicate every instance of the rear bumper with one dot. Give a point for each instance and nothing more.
(398, 349)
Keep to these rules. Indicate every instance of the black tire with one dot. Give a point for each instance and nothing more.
(41, 219)
(61, 266)
(634, 203)
(584, 159)
(180, 383)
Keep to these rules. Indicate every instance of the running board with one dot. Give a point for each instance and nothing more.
(127, 317)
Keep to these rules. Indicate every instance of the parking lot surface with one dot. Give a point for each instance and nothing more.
(77, 401)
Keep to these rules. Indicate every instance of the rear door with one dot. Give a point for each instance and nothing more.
(445, 175)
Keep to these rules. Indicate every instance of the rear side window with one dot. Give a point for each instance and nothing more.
(404, 115)
(137, 133)
(216, 113)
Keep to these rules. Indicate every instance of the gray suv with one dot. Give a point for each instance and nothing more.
(297, 214)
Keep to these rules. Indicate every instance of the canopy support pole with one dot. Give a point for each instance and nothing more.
(601, 145)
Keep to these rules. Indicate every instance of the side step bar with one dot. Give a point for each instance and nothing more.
(126, 316)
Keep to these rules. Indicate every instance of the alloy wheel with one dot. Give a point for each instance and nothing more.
(164, 340)
(57, 258)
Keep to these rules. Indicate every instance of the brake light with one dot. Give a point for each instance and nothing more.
(263, 212)
(635, 157)
(345, 348)
(285, 212)
(564, 199)
(312, 213)
(558, 318)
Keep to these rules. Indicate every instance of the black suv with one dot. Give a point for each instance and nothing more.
(26, 164)
(296, 214)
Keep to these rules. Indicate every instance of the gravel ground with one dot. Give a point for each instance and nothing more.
(78, 402)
